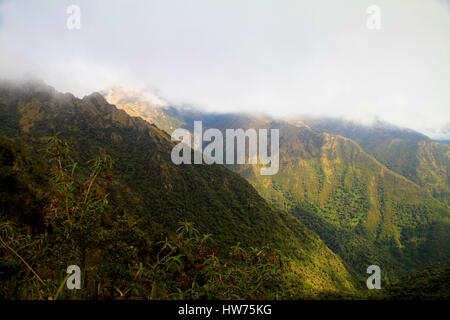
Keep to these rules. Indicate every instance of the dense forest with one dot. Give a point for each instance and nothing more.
(84, 183)
(146, 190)
(365, 209)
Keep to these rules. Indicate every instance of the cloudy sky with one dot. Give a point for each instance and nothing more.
(315, 57)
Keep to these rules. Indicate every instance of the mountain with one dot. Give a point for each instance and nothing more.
(147, 183)
(363, 210)
(149, 108)
(404, 151)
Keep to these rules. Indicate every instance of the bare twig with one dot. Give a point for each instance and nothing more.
(18, 256)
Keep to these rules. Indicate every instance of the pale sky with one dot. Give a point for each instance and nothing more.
(280, 57)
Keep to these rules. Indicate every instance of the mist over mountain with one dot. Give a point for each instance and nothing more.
(149, 188)
(316, 58)
(402, 150)
(331, 210)
(133, 150)
(356, 185)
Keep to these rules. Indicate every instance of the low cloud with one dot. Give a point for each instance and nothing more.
(281, 58)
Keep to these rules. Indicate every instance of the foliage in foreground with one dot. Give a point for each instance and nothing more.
(51, 221)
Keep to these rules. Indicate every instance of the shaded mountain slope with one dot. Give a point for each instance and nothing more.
(365, 212)
(217, 200)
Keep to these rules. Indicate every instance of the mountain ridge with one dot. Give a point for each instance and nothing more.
(216, 199)
(372, 195)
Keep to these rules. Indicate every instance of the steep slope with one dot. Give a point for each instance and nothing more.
(149, 108)
(362, 210)
(217, 200)
(50, 216)
(404, 151)
(365, 212)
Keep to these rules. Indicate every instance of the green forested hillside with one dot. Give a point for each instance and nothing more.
(52, 218)
(364, 207)
(364, 211)
(146, 185)
(406, 152)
